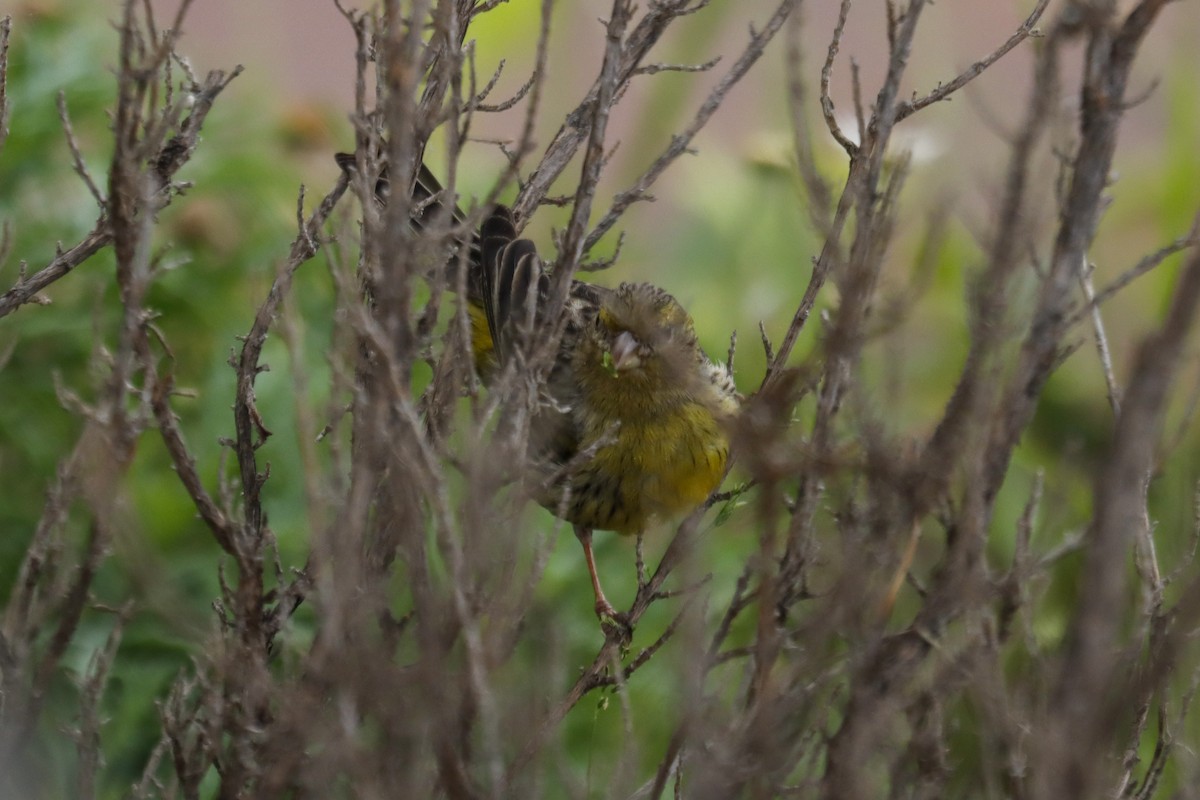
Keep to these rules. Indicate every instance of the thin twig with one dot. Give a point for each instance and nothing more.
(76, 156)
(1110, 380)
(827, 110)
(681, 141)
(5, 31)
(944, 90)
(1144, 265)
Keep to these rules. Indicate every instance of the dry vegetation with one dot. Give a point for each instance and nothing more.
(806, 678)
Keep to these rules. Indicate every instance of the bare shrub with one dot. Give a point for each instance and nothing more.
(872, 639)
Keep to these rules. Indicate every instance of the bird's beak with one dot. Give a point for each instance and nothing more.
(625, 352)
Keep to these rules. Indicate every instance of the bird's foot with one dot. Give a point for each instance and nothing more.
(614, 623)
(604, 608)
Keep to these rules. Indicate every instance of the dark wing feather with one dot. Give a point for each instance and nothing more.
(427, 203)
(425, 186)
(506, 275)
(383, 186)
(514, 284)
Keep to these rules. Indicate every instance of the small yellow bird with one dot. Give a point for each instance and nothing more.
(629, 383)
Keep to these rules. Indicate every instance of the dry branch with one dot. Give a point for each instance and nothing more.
(867, 631)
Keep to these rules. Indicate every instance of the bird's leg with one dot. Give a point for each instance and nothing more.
(603, 607)
(906, 559)
(641, 562)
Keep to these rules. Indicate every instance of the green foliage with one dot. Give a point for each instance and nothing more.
(223, 239)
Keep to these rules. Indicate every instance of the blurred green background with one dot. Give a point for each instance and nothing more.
(729, 236)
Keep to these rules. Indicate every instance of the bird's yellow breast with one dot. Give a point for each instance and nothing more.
(658, 467)
(667, 453)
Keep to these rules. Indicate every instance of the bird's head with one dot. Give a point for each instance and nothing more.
(644, 336)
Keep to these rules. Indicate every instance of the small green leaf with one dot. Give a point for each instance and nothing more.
(734, 502)
(608, 364)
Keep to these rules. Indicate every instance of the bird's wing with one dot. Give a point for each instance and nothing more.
(515, 287)
(426, 190)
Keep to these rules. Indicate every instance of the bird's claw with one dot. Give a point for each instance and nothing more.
(614, 623)
(604, 609)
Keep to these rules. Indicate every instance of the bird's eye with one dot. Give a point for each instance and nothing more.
(605, 321)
